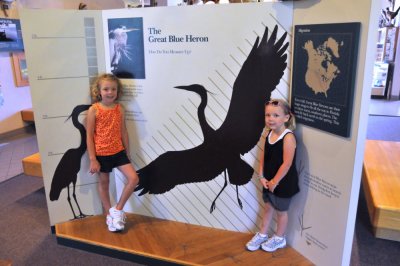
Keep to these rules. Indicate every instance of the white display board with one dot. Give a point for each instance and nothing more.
(63, 56)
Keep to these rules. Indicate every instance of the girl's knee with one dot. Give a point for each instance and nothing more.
(130, 174)
(133, 180)
(104, 182)
(282, 213)
(103, 185)
(268, 207)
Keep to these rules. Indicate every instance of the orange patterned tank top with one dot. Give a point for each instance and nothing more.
(107, 132)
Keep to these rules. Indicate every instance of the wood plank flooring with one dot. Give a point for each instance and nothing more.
(174, 242)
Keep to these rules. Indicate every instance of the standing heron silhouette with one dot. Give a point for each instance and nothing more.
(221, 149)
(67, 170)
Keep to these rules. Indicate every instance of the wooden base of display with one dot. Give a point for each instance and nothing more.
(154, 241)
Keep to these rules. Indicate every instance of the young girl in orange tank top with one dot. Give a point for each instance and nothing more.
(108, 146)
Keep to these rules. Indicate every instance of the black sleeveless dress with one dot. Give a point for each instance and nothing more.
(273, 159)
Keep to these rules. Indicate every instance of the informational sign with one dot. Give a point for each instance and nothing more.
(10, 35)
(324, 62)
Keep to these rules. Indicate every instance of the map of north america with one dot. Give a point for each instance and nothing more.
(321, 70)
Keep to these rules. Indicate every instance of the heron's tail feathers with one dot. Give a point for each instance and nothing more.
(239, 172)
(54, 193)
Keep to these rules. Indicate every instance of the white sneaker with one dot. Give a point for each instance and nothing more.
(256, 242)
(118, 218)
(274, 243)
(109, 222)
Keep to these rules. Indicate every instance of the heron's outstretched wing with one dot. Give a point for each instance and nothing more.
(258, 77)
(172, 168)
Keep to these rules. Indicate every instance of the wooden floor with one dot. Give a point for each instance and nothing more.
(381, 183)
(169, 242)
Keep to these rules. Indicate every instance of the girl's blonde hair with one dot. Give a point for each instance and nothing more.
(95, 86)
(291, 123)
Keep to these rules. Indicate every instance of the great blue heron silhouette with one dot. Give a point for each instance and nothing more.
(67, 169)
(239, 133)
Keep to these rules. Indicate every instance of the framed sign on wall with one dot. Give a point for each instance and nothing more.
(10, 35)
(20, 69)
(324, 65)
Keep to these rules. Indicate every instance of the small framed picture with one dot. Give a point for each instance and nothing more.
(20, 69)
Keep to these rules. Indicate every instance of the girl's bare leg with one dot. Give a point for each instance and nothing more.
(132, 180)
(268, 212)
(282, 221)
(104, 192)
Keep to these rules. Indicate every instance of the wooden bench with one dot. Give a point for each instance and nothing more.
(27, 115)
(32, 165)
(381, 184)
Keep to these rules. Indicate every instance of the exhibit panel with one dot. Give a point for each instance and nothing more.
(165, 118)
(160, 117)
(62, 57)
(184, 88)
(333, 164)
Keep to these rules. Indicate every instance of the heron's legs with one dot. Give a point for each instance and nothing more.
(81, 215)
(237, 195)
(212, 208)
(69, 201)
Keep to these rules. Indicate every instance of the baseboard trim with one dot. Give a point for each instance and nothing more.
(113, 253)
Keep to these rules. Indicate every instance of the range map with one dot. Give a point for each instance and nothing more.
(321, 70)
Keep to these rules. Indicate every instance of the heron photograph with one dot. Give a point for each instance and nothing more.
(126, 48)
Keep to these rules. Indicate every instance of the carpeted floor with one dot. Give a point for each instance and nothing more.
(367, 249)
(13, 149)
(384, 107)
(384, 128)
(26, 239)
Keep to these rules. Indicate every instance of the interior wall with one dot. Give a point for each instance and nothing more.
(71, 4)
(12, 99)
(19, 98)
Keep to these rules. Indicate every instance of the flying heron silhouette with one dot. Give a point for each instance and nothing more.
(67, 169)
(221, 149)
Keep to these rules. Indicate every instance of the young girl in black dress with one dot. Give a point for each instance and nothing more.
(278, 174)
